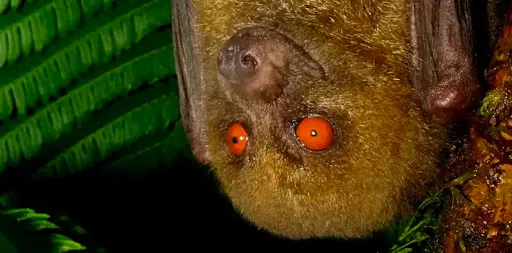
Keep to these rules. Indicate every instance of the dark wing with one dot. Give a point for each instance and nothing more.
(187, 45)
(445, 74)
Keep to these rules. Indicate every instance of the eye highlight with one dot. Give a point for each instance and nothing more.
(315, 133)
(236, 138)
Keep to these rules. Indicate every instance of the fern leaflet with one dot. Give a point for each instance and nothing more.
(44, 75)
(123, 123)
(38, 24)
(24, 224)
(148, 61)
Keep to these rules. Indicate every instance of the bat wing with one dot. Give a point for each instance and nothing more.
(187, 48)
(445, 73)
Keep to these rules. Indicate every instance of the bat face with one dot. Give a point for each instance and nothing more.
(306, 110)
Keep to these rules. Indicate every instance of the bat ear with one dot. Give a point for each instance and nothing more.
(445, 76)
(189, 72)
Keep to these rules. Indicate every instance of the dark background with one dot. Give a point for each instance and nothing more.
(170, 208)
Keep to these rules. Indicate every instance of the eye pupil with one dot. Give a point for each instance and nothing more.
(234, 140)
(313, 133)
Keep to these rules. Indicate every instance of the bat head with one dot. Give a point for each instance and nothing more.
(306, 111)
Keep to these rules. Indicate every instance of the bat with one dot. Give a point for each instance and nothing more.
(323, 118)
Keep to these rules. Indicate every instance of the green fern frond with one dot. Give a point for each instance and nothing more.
(12, 4)
(148, 61)
(39, 23)
(123, 123)
(149, 152)
(43, 75)
(23, 225)
(84, 82)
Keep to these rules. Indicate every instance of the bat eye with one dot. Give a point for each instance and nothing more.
(236, 139)
(315, 133)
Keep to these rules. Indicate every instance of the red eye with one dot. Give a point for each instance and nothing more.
(315, 133)
(236, 139)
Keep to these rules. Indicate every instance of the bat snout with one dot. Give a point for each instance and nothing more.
(254, 64)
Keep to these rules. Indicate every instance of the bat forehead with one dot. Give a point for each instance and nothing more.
(330, 10)
(375, 31)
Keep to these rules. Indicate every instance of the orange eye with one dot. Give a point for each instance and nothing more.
(315, 133)
(236, 139)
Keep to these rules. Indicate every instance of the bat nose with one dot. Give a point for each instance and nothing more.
(255, 66)
(238, 61)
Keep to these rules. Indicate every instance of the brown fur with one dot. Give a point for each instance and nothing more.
(384, 152)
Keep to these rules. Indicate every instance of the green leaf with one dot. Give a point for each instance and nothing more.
(5, 5)
(42, 224)
(43, 76)
(84, 82)
(64, 244)
(148, 61)
(21, 225)
(149, 152)
(38, 24)
(490, 102)
(6, 246)
(408, 232)
(127, 120)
